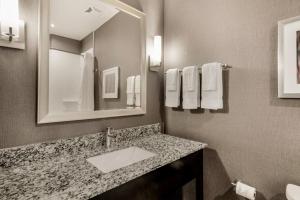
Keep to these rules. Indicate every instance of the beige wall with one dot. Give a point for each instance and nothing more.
(257, 139)
(18, 85)
(65, 44)
(87, 43)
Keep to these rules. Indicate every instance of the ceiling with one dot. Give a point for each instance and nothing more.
(69, 19)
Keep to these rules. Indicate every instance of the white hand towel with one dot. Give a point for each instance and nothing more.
(173, 96)
(212, 87)
(130, 90)
(171, 79)
(137, 91)
(209, 77)
(191, 77)
(191, 88)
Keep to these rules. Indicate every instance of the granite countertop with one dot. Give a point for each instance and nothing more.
(59, 170)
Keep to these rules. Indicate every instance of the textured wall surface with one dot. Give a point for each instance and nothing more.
(257, 138)
(18, 87)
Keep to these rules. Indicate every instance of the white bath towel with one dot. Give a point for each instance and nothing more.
(172, 91)
(137, 91)
(191, 87)
(212, 86)
(130, 90)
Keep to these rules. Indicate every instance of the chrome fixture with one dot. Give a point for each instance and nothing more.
(224, 67)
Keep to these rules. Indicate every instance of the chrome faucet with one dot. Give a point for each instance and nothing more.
(109, 137)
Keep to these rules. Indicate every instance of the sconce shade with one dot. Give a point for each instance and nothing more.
(156, 51)
(9, 17)
(12, 29)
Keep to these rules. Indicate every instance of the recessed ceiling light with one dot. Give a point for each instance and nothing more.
(52, 25)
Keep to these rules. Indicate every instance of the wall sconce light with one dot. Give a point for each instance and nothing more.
(156, 54)
(12, 29)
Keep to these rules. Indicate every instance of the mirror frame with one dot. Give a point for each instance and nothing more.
(43, 116)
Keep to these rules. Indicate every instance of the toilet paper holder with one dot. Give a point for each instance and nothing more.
(234, 183)
(244, 190)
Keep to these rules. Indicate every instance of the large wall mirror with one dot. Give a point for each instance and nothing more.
(92, 61)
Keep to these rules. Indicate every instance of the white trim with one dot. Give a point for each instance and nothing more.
(43, 60)
(125, 8)
(43, 71)
(77, 116)
(281, 24)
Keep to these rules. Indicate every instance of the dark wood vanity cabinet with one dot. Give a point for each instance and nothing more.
(165, 183)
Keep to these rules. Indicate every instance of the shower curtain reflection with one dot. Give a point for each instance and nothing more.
(87, 82)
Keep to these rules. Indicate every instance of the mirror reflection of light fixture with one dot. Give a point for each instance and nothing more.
(156, 53)
(12, 29)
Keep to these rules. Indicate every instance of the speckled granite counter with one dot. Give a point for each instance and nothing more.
(59, 170)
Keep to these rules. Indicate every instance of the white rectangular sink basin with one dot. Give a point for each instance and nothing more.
(118, 159)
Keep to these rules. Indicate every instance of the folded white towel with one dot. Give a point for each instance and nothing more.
(209, 77)
(130, 90)
(173, 93)
(212, 87)
(137, 91)
(191, 87)
(191, 77)
(171, 79)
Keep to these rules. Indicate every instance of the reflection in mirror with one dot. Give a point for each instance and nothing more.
(94, 57)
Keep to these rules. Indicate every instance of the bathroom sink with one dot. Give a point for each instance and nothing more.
(118, 159)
